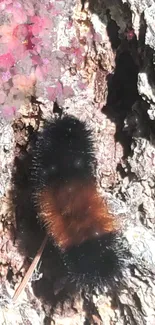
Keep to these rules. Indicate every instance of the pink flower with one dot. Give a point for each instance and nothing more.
(6, 61)
(24, 83)
(42, 71)
(17, 38)
(36, 43)
(75, 50)
(68, 92)
(52, 93)
(39, 73)
(6, 32)
(39, 23)
(46, 61)
(6, 76)
(8, 112)
(19, 14)
(55, 92)
(36, 59)
(130, 34)
(82, 85)
(4, 3)
(59, 92)
(12, 44)
(23, 33)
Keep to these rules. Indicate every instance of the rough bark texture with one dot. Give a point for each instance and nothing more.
(119, 106)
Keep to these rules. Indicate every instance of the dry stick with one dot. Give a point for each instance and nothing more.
(30, 271)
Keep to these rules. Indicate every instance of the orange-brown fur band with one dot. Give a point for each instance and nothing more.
(74, 212)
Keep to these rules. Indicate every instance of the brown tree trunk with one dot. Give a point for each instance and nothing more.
(119, 106)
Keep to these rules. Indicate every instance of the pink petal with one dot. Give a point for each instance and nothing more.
(36, 29)
(39, 23)
(46, 61)
(36, 59)
(68, 91)
(36, 40)
(6, 76)
(69, 24)
(21, 32)
(59, 88)
(19, 51)
(19, 15)
(4, 3)
(17, 4)
(24, 33)
(8, 111)
(24, 83)
(52, 93)
(6, 61)
(28, 43)
(2, 96)
(82, 85)
(46, 69)
(39, 73)
(35, 20)
(55, 92)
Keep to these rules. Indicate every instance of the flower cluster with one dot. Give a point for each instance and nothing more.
(30, 55)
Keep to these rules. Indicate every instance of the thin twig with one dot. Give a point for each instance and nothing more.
(30, 271)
